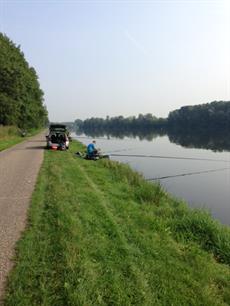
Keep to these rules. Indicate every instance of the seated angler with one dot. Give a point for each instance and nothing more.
(91, 150)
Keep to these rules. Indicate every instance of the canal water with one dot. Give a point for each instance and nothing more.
(197, 171)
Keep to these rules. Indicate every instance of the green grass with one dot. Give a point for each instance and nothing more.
(10, 135)
(98, 234)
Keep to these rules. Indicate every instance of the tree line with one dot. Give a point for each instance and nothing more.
(21, 98)
(209, 116)
(121, 124)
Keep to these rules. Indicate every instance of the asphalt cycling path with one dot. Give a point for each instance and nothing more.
(19, 167)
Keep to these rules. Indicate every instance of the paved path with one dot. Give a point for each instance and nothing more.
(19, 167)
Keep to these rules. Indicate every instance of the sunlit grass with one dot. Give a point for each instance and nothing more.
(10, 135)
(98, 234)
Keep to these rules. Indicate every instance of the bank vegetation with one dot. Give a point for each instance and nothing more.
(99, 234)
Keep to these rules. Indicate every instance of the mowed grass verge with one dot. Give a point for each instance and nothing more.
(98, 234)
(10, 136)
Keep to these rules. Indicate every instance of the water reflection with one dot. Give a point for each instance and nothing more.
(143, 134)
(217, 141)
(207, 180)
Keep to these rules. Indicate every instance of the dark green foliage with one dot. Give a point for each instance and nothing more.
(21, 99)
(209, 116)
(214, 117)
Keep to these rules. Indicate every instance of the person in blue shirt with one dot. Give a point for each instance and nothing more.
(91, 150)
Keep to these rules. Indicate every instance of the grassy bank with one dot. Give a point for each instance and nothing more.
(98, 234)
(11, 135)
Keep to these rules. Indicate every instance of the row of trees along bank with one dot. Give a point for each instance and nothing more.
(21, 98)
(209, 116)
(147, 122)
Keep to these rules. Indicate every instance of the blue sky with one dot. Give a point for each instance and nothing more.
(98, 58)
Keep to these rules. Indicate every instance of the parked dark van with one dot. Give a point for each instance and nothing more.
(58, 137)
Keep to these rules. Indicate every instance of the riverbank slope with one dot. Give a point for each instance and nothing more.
(99, 234)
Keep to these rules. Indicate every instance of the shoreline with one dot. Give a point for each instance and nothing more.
(98, 233)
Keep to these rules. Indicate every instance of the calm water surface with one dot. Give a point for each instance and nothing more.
(209, 190)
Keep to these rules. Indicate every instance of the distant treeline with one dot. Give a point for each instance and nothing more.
(21, 99)
(121, 124)
(209, 116)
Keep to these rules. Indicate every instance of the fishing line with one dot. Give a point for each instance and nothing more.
(109, 152)
(122, 150)
(171, 157)
(185, 174)
(88, 137)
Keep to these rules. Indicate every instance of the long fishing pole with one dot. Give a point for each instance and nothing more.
(109, 152)
(185, 174)
(156, 156)
(170, 157)
(88, 137)
(120, 150)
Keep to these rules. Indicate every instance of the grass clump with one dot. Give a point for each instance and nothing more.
(11, 135)
(198, 226)
(8, 131)
(98, 234)
(142, 190)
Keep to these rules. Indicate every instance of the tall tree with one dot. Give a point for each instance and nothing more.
(21, 98)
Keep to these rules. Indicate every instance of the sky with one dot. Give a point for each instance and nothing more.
(99, 58)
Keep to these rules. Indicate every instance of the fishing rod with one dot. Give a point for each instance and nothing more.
(109, 152)
(185, 174)
(170, 157)
(88, 137)
(121, 150)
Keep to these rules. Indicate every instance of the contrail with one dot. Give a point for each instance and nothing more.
(136, 43)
